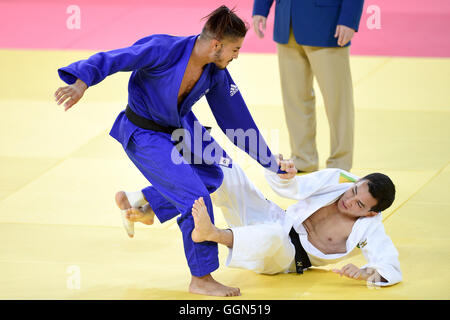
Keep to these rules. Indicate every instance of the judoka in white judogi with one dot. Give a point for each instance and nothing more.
(261, 228)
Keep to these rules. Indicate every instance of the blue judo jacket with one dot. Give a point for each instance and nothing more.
(158, 63)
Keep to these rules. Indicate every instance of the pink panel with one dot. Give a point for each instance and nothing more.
(407, 27)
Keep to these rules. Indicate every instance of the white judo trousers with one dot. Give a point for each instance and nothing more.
(260, 242)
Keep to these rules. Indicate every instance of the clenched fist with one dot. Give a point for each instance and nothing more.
(287, 166)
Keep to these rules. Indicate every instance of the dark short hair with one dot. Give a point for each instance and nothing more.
(224, 23)
(382, 189)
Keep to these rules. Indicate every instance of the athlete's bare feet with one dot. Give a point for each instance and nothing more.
(143, 214)
(204, 229)
(146, 214)
(122, 200)
(208, 286)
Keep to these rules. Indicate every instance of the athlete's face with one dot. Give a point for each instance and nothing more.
(226, 50)
(357, 201)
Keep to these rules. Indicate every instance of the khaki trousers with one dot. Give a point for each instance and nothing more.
(298, 65)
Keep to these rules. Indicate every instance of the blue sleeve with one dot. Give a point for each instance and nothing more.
(235, 120)
(350, 15)
(262, 7)
(102, 64)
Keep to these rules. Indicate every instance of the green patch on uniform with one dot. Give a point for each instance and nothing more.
(343, 178)
(362, 244)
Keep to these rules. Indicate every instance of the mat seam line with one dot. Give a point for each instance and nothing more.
(371, 72)
(439, 171)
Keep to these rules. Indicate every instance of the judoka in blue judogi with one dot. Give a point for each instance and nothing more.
(158, 64)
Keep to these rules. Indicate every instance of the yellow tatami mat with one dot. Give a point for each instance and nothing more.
(61, 234)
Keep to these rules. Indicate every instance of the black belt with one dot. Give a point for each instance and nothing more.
(147, 124)
(301, 257)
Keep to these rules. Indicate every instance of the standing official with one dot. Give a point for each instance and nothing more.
(313, 39)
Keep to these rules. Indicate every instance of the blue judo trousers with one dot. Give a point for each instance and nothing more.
(179, 170)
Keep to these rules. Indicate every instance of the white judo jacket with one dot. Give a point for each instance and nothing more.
(318, 189)
(260, 227)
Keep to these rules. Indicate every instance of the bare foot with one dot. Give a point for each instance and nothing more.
(122, 200)
(204, 229)
(206, 285)
(143, 214)
(124, 205)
